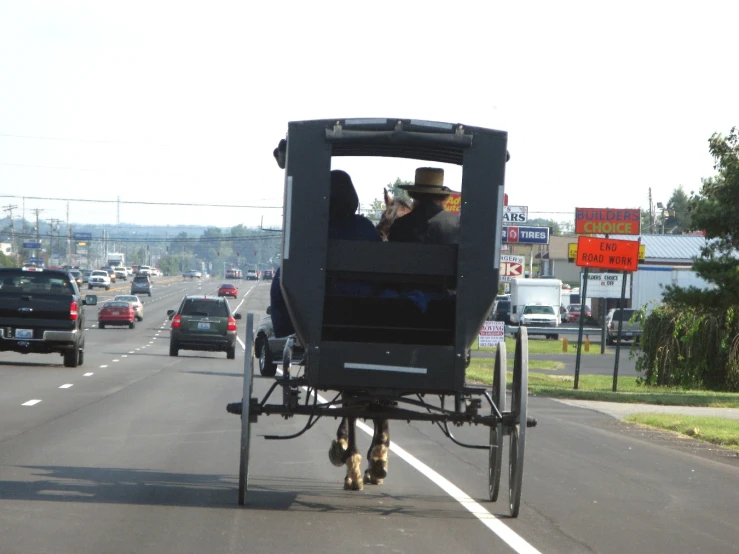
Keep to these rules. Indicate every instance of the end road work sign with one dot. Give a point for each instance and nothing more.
(607, 253)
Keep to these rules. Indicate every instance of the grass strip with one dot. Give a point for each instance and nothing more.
(543, 346)
(599, 387)
(716, 430)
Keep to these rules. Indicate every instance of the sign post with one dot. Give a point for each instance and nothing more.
(604, 253)
(618, 336)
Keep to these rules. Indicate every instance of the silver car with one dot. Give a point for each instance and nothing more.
(138, 306)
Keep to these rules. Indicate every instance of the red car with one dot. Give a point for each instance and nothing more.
(227, 289)
(573, 313)
(116, 313)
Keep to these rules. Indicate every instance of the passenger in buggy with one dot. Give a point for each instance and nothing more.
(343, 224)
(428, 222)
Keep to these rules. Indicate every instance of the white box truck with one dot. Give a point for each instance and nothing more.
(536, 303)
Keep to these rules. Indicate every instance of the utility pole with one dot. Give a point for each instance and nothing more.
(53, 222)
(651, 213)
(67, 246)
(38, 230)
(9, 208)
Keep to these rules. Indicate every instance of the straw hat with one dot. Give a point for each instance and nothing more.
(429, 180)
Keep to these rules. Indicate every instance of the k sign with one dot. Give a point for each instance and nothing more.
(511, 267)
(515, 214)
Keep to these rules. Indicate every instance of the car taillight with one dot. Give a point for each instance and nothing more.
(73, 311)
(231, 324)
(176, 322)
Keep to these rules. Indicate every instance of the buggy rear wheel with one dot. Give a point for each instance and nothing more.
(246, 411)
(519, 403)
(495, 460)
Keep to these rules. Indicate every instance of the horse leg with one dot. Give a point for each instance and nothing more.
(353, 480)
(377, 453)
(338, 452)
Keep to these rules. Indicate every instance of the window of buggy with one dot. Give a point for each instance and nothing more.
(208, 307)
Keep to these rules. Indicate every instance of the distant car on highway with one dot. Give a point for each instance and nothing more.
(138, 306)
(116, 313)
(203, 323)
(141, 284)
(99, 278)
(193, 274)
(251, 275)
(268, 275)
(228, 289)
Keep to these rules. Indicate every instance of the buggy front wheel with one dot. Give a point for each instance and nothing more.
(495, 460)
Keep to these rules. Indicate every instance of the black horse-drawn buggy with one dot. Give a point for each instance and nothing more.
(382, 357)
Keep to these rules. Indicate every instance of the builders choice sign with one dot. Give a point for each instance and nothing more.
(606, 285)
(592, 221)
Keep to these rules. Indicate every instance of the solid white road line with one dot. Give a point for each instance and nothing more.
(31, 403)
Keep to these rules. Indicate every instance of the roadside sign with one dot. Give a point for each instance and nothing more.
(606, 285)
(589, 221)
(572, 252)
(607, 253)
(492, 333)
(82, 236)
(453, 204)
(32, 244)
(35, 260)
(511, 267)
(515, 214)
(526, 235)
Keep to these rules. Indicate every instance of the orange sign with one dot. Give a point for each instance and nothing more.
(453, 204)
(607, 253)
(591, 221)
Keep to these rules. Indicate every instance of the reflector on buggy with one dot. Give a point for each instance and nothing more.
(382, 351)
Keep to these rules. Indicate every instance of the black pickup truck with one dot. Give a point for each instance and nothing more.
(41, 311)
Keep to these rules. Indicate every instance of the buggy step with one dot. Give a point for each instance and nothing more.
(531, 422)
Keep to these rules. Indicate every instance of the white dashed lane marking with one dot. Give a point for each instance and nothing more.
(103, 366)
(31, 402)
(87, 374)
(66, 386)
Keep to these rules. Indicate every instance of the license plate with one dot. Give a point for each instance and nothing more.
(203, 325)
(24, 333)
(116, 313)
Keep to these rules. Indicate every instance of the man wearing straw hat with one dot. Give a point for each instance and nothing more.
(428, 223)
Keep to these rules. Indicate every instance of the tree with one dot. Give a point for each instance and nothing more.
(678, 215)
(395, 190)
(540, 222)
(715, 211)
(692, 339)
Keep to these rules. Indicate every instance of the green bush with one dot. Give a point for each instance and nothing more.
(690, 348)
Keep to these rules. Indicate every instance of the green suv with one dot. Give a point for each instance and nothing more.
(203, 323)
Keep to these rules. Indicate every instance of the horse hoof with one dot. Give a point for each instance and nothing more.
(371, 479)
(337, 452)
(378, 469)
(351, 485)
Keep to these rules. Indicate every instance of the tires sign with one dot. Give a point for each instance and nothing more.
(511, 267)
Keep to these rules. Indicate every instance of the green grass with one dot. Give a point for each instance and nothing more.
(718, 431)
(542, 346)
(599, 387)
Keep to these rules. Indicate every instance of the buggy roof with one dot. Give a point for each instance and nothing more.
(399, 138)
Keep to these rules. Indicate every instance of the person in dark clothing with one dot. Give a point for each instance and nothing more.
(343, 224)
(428, 223)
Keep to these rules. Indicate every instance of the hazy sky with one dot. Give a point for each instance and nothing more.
(185, 101)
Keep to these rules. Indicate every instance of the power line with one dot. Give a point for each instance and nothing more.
(140, 202)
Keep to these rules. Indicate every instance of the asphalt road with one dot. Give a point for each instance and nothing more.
(139, 455)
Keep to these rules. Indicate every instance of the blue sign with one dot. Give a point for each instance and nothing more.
(526, 235)
(82, 236)
(36, 260)
(32, 244)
